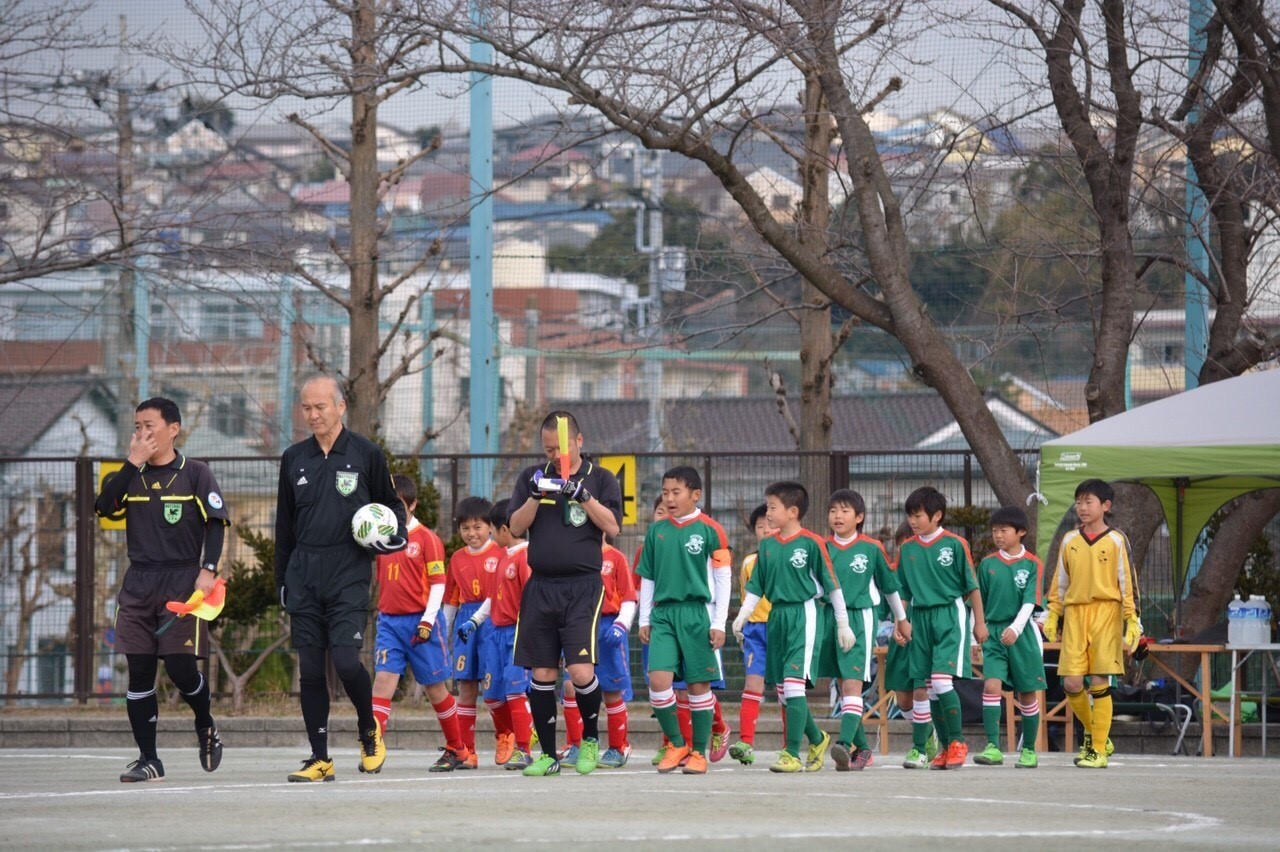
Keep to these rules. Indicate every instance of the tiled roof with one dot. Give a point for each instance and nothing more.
(28, 408)
(877, 421)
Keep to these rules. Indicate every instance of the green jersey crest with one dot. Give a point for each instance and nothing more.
(347, 480)
(173, 512)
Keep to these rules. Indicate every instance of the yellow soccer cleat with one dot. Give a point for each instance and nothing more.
(314, 769)
(787, 762)
(1092, 760)
(817, 755)
(373, 751)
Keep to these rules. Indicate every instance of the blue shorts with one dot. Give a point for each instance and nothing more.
(468, 656)
(754, 643)
(613, 665)
(502, 677)
(395, 650)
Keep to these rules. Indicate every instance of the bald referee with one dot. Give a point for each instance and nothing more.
(566, 521)
(322, 575)
(175, 525)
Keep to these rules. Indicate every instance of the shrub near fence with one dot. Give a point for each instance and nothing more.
(61, 569)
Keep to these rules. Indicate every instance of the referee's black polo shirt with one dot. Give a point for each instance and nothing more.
(563, 540)
(318, 494)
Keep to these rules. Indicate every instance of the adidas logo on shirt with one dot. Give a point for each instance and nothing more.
(357, 636)
(302, 480)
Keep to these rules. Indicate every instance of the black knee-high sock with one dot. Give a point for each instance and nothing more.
(589, 697)
(355, 680)
(542, 704)
(315, 699)
(183, 671)
(141, 704)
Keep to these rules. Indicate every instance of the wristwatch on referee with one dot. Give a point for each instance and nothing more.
(209, 566)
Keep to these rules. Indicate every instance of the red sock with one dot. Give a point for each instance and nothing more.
(686, 719)
(718, 724)
(572, 722)
(617, 714)
(521, 720)
(500, 712)
(447, 716)
(381, 712)
(748, 713)
(467, 725)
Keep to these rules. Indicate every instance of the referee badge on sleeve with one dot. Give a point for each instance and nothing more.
(173, 512)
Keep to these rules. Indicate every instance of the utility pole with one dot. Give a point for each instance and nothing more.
(126, 305)
(651, 173)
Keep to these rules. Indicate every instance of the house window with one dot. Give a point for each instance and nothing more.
(229, 321)
(230, 415)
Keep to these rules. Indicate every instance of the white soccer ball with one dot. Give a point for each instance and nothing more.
(373, 523)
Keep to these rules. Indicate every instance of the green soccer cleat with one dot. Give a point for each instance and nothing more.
(742, 752)
(588, 757)
(1092, 760)
(1086, 745)
(1027, 760)
(915, 759)
(543, 766)
(817, 755)
(931, 746)
(989, 756)
(840, 756)
(787, 762)
(662, 752)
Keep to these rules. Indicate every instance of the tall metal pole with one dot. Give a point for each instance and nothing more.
(142, 334)
(654, 245)
(484, 361)
(1196, 345)
(427, 316)
(284, 370)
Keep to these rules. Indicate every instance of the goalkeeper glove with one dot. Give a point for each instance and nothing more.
(738, 624)
(844, 636)
(1051, 623)
(1132, 633)
(393, 544)
(466, 628)
(616, 636)
(543, 483)
(575, 490)
(423, 634)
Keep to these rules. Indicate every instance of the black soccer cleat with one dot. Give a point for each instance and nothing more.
(210, 747)
(143, 769)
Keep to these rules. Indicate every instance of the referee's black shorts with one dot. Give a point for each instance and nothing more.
(558, 617)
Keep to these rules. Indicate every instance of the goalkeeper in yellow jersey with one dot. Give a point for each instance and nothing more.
(1093, 605)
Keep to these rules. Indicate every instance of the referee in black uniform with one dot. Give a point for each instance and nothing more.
(174, 513)
(322, 575)
(560, 606)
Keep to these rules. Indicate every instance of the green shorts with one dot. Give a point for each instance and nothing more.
(793, 642)
(1020, 665)
(680, 642)
(897, 668)
(856, 663)
(940, 641)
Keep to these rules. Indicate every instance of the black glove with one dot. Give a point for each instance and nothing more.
(575, 490)
(393, 544)
(284, 597)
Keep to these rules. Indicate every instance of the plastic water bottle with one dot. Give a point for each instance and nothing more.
(1235, 621)
(1249, 616)
(1264, 621)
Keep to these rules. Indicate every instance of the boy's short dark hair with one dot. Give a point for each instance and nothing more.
(168, 408)
(1010, 516)
(498, 514)
(790, 494)
(406, 488)
(927, 499)
(550, 424)
(1098, 488)
(472, 509)
(756, 514)
(852, 499)
(686, 475)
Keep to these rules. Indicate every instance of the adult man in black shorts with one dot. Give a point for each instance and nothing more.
(173, 511)
(322, 575)
(561, 602)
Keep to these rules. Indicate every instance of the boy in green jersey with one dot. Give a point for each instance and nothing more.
(865, 576)
(794, 571)
(1010, 581)
(934, 565)
(685, 577)
(897, 674)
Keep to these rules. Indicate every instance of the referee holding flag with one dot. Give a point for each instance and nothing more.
(566, 519)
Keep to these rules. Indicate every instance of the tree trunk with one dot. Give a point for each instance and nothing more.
(1211, 589)
(364, 398)
(816, 343)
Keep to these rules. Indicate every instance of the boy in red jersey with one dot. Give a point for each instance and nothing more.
(613, 668)
(412, 632)
(506, 685)
(937, 569)
(472, 572)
